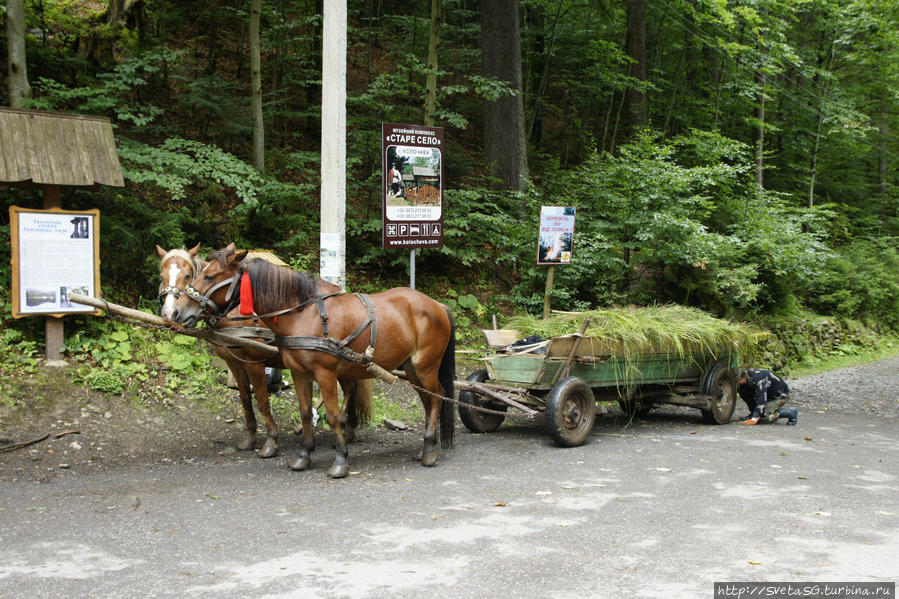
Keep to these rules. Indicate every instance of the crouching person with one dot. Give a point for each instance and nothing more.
(765, 393)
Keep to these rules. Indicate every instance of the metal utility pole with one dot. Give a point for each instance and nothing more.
(333, 145)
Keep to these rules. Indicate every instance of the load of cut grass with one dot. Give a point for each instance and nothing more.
(631, 331)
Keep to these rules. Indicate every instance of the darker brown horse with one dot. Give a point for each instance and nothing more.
(177, 269)
(315, 322)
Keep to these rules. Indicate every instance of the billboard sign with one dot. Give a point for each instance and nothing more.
(412, 186)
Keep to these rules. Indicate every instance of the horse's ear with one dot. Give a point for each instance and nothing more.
(160, 251)
(229, 249)
(192, 251)
(238, 257)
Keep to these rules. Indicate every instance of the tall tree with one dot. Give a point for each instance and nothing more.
(256, 87)
(431, 84)
(19, 89)
(637, 113)
(504, 141)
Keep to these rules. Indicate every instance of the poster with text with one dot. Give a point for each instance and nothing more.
(54, 252)
(412, 186)
(556, 241)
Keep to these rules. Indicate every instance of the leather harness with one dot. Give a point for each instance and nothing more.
(326, 343)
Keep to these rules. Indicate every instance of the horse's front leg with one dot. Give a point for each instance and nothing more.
(327, 382)
(248, 441)
(256, 373)
(303, 388)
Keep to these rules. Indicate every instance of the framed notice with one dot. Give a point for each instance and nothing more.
(412, 186)
(556, 242)
(54, 252)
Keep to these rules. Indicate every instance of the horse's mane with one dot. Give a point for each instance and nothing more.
(278, 287)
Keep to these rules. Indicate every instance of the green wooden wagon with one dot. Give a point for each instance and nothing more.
(576, 373)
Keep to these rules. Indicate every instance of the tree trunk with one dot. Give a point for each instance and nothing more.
(431, 84)
(883, 154)
(761, 79)
(504, 142)
(637, 115)
(256, 87)
(19, 89)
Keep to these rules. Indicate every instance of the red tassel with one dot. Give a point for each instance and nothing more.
(246, 295)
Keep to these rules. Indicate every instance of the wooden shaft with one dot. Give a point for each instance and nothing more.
(157, 320)
(563, 372)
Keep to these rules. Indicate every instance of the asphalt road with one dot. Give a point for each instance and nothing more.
(663, 507)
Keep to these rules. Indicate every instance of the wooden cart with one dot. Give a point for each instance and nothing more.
(576, 372)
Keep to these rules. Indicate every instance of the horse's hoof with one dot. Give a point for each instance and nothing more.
(301, 463)
(339, 470)
(269, 450)
(248, 443)
(429, 458)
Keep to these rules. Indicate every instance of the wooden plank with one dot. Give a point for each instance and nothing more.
(21, 133)
(109, 158)
(500, 338)
(521, 369)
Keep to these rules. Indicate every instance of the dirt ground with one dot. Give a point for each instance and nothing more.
(90, 431)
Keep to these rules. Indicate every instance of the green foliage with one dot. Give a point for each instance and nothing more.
(119, 358)
(383, 408)
(860, 281)
(18, 358)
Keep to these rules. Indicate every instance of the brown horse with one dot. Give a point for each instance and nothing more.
(315, 322)
(177, 269)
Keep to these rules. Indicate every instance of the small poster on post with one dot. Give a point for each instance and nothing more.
(556, 240)
(54, 252)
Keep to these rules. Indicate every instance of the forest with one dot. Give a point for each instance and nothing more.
(731, 155)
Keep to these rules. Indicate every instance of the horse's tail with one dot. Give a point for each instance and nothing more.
(360, 414)
(447, 375)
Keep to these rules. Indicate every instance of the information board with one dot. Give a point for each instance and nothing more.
(54, 252)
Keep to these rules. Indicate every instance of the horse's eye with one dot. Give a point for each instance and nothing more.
(208, 278)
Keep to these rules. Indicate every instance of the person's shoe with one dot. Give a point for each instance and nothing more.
(791, 413)
(771, 418)
(750, 421)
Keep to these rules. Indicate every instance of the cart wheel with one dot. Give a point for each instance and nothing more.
(570, 410)
(475, 420)
(720, 382)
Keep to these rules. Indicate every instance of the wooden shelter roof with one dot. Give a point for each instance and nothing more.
(49, 148)
(266, 255)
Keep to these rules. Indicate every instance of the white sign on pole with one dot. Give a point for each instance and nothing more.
(556, 243)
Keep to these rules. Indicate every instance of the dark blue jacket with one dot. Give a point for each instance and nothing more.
(760, 387)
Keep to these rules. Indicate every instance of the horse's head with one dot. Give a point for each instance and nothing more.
(211, 289)
(176, 270)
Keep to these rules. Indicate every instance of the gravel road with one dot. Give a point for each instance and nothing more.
(662, 506)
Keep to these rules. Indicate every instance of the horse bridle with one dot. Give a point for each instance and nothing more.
(205, 299)
(172, 289)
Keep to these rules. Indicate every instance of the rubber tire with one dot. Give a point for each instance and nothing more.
(720, 382)
(570, 412)
(475, 420)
